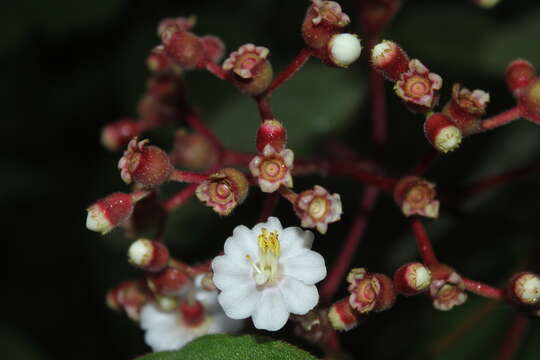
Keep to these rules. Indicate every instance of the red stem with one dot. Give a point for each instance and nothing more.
(382, 182)
(348, 250)
(299, 61)
(269, 204)
(217, 70)
(187, 177)
(482, 289)
(288, 194)
(501, 119)
(378, 104)
(180, 198)
(513, 338)
(233, 157)
(265, 109)
(423, 242)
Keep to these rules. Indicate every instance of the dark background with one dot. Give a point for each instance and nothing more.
(68, 68)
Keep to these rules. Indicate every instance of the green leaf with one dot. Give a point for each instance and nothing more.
(219, 347)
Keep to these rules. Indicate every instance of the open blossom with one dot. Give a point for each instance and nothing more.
(466, 108)
(447, 288)
(418, 86)
(272, 168)
(317, 208)
(267, 273)
(417, 196)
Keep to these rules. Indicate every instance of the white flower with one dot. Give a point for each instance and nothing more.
(171, 330)
(267, 273)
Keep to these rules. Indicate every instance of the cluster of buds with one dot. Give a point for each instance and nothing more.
(447, 288)
(524, 83)
(224, 190)
(322, 31)
(416, 196)
(249, 69)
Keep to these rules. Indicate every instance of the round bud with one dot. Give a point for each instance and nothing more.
(271, 132)
(224, 190)
(412, 278)
(185, 48)
(192, 313)
(344, 49)
(530, 100)
(170, 281)
(129, 296)
(213, 48)
(389, 59)
(442, 133)
(342, 316)
(193, 151)
(519, 74)
(109, 212)
(249, 68)
(524, 289)
(116, 135)
(158, 60)
(148, 255)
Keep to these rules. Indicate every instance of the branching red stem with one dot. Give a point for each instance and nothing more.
(299, 61)
(423, 242)
(501, 119)
(187, 177)
(482, 289)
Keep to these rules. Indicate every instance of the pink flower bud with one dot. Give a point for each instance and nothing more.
(176, 24)
(466, 108)
(193, 151)
(250, 69)
(148, 255)
(224, 190)
(273, 133)
(342, 316)
(442, 133)
(323, 20)
(519, 74)
(389, 59)
(418, 87)
(447, 287)
(524, 289)
(214, 48)
(147, 165)
(370, 292)
(316, 208)
(170, 281)
(412, 278)
(117, 135)
(185, 48)
(109, 212)
(272, 169)
(416, 196)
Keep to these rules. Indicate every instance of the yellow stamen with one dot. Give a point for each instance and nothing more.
(269, 243)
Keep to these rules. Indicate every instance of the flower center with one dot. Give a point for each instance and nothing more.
(266, 271)
(318, 208)
(417, 86)
(272, 169)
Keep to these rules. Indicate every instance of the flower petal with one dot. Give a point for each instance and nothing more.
(230, 273)
(271, 313)
(240, 244)
(221, 323)
(294, 240)
(299, 298)
(239, 302)
(307, 266)
(272, 224)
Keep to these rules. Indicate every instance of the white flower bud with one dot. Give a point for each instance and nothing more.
(344, 49)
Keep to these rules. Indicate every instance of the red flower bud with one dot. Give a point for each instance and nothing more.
(524, 289)
(170, 281)
(224, 190)
(214, 48)
(323, 20)
(412, 278)
(342, 316)
(530, 101)
(129, 296)
(148, 255)
(370, 291)
(416, 196)
(519, 74)
(418, 87)
(389, 59)
(117, 135)
(185, 48)
(193, 151)
(442, 133)
(447, 287)
(159, 60)
(109, 212)
(271, 132)
(466, 108)
(192, 313)
(250, 71)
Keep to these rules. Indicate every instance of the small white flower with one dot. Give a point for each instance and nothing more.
(268, 273)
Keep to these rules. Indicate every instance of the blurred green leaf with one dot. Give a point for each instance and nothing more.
(219, 347)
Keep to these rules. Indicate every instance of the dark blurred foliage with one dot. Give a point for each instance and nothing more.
(70, 67)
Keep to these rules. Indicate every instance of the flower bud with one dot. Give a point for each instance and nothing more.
(416, 196)
(148, 255)
(170, 281)
(224, 190)
(418, 87)
(250, 70)
(273, 168)
(389, 59)
(271, 132)
(193, 313)
(214, 48)
(344, 49)
(412, 278)
(442, 133)
(176, 24)
(166, 303)
(524, 289)
(530, 100)
(466, 108)
(109, 212)
(316, 208)
(370, 292)
(185, 48)
(117, 135)
(342, 316)
(447, 287)
(193, 151)
(147, 165)
(129, 296)
(159, 60)
(519, 74)
(323, 20)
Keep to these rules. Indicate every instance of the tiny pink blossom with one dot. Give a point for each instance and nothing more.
(272, 168)
(243, 60)
(317, 208)
(418, 85)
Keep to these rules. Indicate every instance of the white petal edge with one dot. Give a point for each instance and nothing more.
(307, 266)
(271, 313)
(228, 273)
(239, 302)
(299, 298)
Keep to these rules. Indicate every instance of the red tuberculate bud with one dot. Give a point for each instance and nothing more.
(184, 47)
(530, 101)
(442, 132)
(249, 68)
(109, 212)
(192, 313)
(271, 132)
(159, 60)
(466, 108)
(342, 316)
(129, 296)
(418, 87)
(146, 165)
(170, 281)
(224, 190)
(447, 288)
(519, 74)
(323, 20)
(416, 196)
(273, 168)
(370, 292)
(412, 278)
(524, 289)
(148, 255)
(193, 151)
(316, 208)
(117, 135)
(214, 49)
(389, 59)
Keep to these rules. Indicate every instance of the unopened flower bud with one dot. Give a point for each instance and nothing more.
(323, 20)
(109, 212)
(193, 313)
(185, 48)
(224, 190)
(214, 48)
(442, 133)
(176, 24)
(344, 49)
(389, 59)
(342, 316)
(129, 296)
(524, 289)
(166, 303)
(447, 288)
(519, 74)
(370, 292)
(148, 255)
(416, 196)
(418, 87)
(170, 281)
(147, 165)
(412, 278)
(316, 208)
(251, 71)
(271, 132)
(159, 60)
(193, 151)
(530, 100)
(273, 168)
(117, 135)
(466, 108)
